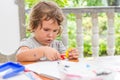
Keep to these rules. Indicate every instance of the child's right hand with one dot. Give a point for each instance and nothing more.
(51, 53)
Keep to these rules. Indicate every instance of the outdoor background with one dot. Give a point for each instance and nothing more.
(86, 23)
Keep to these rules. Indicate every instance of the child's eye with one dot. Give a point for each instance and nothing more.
(55, 30)
(46, 29)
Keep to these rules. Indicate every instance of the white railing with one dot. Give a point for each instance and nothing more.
(110, 12)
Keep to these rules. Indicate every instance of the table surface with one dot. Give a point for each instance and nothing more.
(41, 76)
(98, 59)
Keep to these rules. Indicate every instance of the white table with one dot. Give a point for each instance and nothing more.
(51, 67)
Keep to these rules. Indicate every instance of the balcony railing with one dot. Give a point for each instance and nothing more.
(93, 11)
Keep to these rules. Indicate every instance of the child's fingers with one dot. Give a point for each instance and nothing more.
(53, 57)
(70, 57)
(56, 56)
(74, 50)
(75, 56)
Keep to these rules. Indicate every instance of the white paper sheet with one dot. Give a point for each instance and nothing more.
(48, 67)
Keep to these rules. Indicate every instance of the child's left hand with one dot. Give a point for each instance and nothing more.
(73, 53)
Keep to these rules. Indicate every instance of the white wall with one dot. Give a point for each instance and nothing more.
(9, 26)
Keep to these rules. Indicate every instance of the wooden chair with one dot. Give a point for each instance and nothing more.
(6, 58)
(3, 58)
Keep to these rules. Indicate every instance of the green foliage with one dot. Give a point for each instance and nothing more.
(61, 3)
(30, 3)
(117, 32)
(117, 44)
(102, 47)
(94, 2)
(102, 19)
(87, 45)
(71, 33)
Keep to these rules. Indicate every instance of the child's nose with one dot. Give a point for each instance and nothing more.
(50, 34)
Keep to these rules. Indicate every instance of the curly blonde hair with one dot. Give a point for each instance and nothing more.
(45, 11)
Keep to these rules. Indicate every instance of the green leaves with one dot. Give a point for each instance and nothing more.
(61, 3)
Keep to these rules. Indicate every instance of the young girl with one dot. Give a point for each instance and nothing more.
(45, 21)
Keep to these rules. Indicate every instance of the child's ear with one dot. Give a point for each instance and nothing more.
(60, 31)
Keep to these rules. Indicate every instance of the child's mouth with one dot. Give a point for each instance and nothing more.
(49, 41)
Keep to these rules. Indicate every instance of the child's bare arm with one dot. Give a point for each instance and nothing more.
(26, 54)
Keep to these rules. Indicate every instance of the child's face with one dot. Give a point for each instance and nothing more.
(46, 33)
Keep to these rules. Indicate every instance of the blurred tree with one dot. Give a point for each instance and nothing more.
(113, 2)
